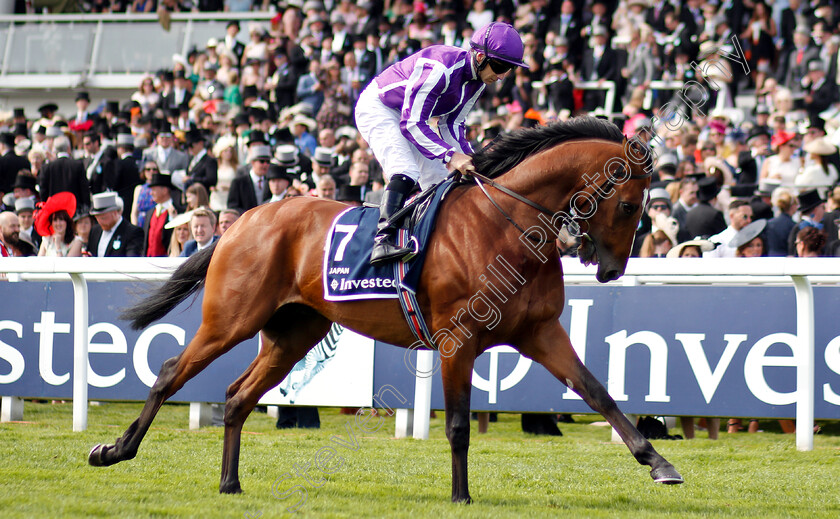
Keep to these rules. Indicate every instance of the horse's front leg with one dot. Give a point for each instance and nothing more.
(551, 347)
(456, 372)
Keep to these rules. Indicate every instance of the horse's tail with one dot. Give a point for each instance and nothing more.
(187, 280)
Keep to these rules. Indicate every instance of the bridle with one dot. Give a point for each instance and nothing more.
(596, 197)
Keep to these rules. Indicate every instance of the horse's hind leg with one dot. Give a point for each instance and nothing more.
(286, 338)
(216, 335)
(552, 348)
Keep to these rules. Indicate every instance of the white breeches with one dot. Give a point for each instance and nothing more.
(380, 127)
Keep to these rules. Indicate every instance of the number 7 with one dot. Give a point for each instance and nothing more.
(350, 230)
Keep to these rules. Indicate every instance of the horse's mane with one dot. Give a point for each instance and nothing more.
(508, 150)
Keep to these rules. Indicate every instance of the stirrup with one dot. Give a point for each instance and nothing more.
(416, 249)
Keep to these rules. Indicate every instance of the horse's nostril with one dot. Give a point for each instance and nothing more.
(611, 275)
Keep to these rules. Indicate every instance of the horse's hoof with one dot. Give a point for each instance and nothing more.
(230, 488)
(462, 500)
(95, 456)
(666, 475)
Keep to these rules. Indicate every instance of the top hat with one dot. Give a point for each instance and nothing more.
(64, 201)
(346, 131)
(758, 131)
(25, 182)
(276, 171)
(809, 200)
(18, 112)
(161, 179)
(659, 193)
(104, 202)
(24, 204)
(667, 160)
(194, 136)
(348, 193)
(84, 96)
(323, 156)
(8, 139)
(707, 189)
(47, 107)
(259, 152)
(256, 136)
(287, 155)
(125, 139)
(112, 106)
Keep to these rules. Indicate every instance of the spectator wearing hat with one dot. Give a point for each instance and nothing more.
(249, 191)
(794, 66)
(157, 236)
(83, 120)
(350, 195)
(782, 166)
(599, 63)
(703, 219)
(309, 89)
(298, 166)
(48, 116)
(278, 182)
(323, 160)
(203, 227)
(202, 168)
(740, 215)
(64, 173)
(819, 92)
(230, 43)
(25, 186)
(113, 236)
(10, 163)
(282, 85)
(687, 200)
(659, 202)
(751, 161)
(302, 128)
(54, 222)
(747, 242)
(24, 209)
(812, 210)
(818, 172)
(123, 176)
(181, 93)
(163, 152)
(10, 243)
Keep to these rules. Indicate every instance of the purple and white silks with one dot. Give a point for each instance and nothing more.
(437, 82)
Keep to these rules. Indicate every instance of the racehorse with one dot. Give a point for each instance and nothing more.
(264, 275)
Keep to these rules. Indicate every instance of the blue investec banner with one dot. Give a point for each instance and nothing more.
(726, 351)
(36, 345)
(714, 351)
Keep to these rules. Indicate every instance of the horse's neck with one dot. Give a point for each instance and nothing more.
(548, 181)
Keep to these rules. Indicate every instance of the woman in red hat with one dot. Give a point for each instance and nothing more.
(54, 221)
(782, 166)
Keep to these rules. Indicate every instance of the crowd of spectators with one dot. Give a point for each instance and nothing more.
(246, 120)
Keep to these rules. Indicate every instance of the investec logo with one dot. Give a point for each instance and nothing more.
(343, 285)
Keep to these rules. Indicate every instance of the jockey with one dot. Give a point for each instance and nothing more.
(394, 111)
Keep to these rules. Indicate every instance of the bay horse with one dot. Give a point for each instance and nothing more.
(264, 276)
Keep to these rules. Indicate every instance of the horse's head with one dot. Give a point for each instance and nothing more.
(599, 181)
(609, 208)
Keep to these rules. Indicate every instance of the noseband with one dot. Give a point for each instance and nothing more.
(600, 192)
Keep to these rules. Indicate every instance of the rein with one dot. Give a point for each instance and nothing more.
(481, 180)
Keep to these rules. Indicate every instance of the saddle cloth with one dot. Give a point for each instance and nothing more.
(348, 275)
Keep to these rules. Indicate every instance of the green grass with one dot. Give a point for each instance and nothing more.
(44, 472)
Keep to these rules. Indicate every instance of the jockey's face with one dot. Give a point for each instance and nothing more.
(487, 75)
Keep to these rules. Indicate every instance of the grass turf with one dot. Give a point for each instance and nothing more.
(44, 471)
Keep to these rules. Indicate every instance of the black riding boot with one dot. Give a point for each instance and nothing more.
(385, 248)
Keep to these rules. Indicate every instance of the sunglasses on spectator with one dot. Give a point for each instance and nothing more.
(262, 161)
(659, 207)
(499, 67)
(156, 170)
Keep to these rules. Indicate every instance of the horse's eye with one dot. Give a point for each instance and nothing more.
(628, 208)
